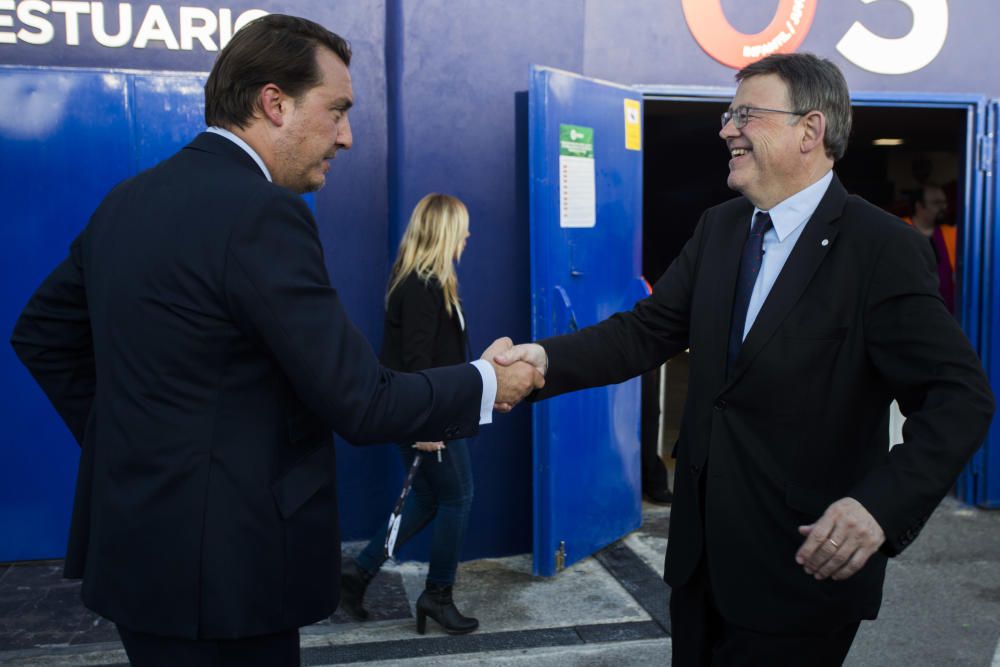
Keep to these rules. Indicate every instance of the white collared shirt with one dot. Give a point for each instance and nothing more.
(788, 219)
(223, 132)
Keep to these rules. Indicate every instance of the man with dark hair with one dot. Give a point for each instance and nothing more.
(930, 218)
(278, 49)
(806, 310)
(194, 346)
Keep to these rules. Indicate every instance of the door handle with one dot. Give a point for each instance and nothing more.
(565, 318)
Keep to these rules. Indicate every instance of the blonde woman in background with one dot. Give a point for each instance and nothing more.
(424, 327)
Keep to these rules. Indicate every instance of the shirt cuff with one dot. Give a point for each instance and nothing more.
(485, 369)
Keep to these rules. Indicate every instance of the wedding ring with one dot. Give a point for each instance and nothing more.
(835, 545)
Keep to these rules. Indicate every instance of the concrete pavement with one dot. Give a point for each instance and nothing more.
(942, 607)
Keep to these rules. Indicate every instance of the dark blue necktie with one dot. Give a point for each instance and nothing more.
(750, 260)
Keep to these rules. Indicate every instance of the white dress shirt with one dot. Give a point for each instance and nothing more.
(788, 219)
(223, 132)
(485, 368)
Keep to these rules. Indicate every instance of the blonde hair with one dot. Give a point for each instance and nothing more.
(431, 245)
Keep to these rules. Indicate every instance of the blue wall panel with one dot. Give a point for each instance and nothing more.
(67, 147)
(90, 130)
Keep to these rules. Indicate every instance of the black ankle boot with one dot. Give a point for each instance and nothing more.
(436, 602)
(353, 584)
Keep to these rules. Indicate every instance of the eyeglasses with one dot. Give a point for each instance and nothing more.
(742, 115)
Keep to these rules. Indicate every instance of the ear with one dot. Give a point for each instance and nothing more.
(273, 104)
(814, 130)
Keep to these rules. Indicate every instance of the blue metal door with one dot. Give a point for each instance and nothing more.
(586, 233)
(79, 133)
(979, 483)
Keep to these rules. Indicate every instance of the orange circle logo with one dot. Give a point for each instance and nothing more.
(732, 48)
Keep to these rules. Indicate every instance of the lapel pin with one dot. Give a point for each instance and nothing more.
(825, 242)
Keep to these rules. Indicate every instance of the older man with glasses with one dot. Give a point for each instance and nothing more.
(807, 311)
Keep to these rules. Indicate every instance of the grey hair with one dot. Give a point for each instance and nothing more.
(814, 84)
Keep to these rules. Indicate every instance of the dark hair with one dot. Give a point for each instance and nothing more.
(274, 49)
(918, 195)
(814, 84)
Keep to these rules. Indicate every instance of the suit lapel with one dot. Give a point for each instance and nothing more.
(815, 242)
(722, 274)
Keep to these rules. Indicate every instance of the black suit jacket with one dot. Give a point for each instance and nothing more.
(419, 333)
(194, 346)
(853, 321)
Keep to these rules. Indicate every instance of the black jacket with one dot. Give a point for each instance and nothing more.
(853, 321)
(194, 346)
(419, 333)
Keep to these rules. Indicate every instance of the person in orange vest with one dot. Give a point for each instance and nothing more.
(930, 217)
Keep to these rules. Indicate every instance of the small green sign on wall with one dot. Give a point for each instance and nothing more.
(577, 197)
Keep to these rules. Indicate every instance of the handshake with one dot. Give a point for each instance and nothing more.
(520, 370)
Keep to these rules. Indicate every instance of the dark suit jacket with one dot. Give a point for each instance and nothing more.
(194, 346)
(853, 321)
(418, 332)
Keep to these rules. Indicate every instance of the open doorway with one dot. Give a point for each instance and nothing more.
(894, 150)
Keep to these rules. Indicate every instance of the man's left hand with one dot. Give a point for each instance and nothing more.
(841, 542)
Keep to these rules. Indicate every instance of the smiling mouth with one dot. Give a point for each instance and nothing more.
(738, 152)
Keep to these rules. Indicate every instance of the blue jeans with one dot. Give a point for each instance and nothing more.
(441, 492)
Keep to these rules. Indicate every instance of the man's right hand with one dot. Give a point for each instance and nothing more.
(532, 353)
(516, 355)
(515, 378)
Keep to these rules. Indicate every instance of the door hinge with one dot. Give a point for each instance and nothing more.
(561, 556)
(985, 152)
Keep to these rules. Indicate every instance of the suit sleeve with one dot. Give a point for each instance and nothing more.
(421, 304)
(935, 375)
(630, 343)
(280, 294)
(52, 337)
